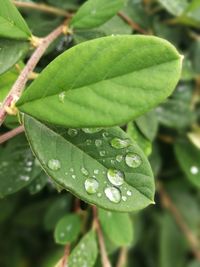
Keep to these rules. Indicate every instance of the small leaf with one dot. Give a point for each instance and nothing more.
(12, 25)
(67, 229)
(175, 7)
(188, 157)
(104, 168)
(95, 12)
(117, 226)
(85, 253)
(11, 51)
(17, 167)
(125, 77)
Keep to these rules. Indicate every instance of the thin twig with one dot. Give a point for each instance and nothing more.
(43, 8)
(122, 257)
(104, 257)
(66, 256)
(20, 83)
(5, 137)
(191, 238)
(133, 24)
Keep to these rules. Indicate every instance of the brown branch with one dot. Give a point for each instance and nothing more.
(104, 257)
(122, 257)
(133, 24)
(20, 83)
(191, 238)
(64, 261)
(5, 137)
(43, 8)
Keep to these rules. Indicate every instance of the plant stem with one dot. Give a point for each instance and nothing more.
(104, 257)
(133, 25)
(191, 238)
(20, 83)
(66, 256)
(42, 7)
(11, 134)
(122, 257)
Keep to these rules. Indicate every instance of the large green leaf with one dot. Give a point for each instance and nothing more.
(104, 82)
(12, 25)
(96, 12)
(83, 163)
(67, 229)
(17, 167)
(188, 157)
(175, 7)
(112, 223)
(85, 253)
(11, 51)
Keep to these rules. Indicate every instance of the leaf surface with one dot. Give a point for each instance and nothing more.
(83, 163)
(104, 82)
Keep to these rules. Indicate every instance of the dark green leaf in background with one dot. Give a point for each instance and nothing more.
(67, 229)
(125, 77)
(112, 224)
(105, 168)
(95, 13)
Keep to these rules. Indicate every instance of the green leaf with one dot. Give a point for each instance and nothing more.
(104, 82)
(12, 25)
(85, 253)
(175, 7)
(188, 157)
(148, 125)
(17, 168)
(11, 51)
(117, 226)
(80, 162)
(95, 12)
(67, 229)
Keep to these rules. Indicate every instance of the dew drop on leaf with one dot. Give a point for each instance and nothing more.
(72, 132)
(133, 160)
(113, 194)
(91, 130)
(98, 143)
(116, 177)
(91, 185)
(119, 143)
(102, 153)
(84, 171)
(54, 164)
(124, 198)
(61, 97)
(119, 158)
(129, 193)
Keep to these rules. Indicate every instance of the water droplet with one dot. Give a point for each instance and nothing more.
(105, 135)
(38, 187)
(116, 177)
(84, 171)
(98, 143)
(69, 227)
(62, 234)
(112, 161)
(133, 160)
(119, 143)
(88, 142)
(25, 178)
(91, 130)
(96, 171)
(93, 12)
(113, 194)
(119, 158)
(99, 194)
(54, 164)
(72, 132)
(73, 176)
(124, 198)
(28, 169)
(194, 169)
(61, 97)
(129, 193)
(71, 170)
(102, 153)
(91, 185)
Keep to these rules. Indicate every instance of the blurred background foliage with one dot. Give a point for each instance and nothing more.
(164, 235)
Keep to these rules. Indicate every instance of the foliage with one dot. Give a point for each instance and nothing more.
(110, 116)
